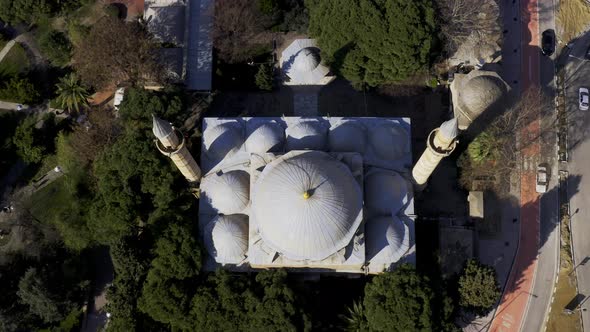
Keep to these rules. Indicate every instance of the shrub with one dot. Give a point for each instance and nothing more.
(56, 46)
(264, 77)
(19, 90)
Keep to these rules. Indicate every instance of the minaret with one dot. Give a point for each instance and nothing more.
(441, 142)
(171, 143)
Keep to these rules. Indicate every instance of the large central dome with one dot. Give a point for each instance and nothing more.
(307, 205)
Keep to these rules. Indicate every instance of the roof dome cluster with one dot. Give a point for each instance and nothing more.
(390, 141)
(268, 137)
(386, 192)
(348, 137)
(307, 205)
(307, 135)
(223, 139)
(389, 239)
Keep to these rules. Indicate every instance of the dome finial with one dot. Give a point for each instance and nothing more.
(306, 194)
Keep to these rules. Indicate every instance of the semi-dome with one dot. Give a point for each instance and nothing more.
(306, 60)
(481, 92)
(390, 239)
(386, 192)
(389, 141)
(227, 193)
(348, 137)
(268, 137)
(307, 135)
(223, 139)
(226, 238)
(307, 205)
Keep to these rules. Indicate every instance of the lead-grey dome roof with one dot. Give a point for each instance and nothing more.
(481, 92)
(223, 139)
(268, 137)
(348, 137)
(386, 192)
(226, 238)
(227, 193)
(307, 135)
(306, 60)
(389, 239)
(307, 205)
(389, 141)
(161, 128)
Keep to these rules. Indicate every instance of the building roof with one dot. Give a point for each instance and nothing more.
(226, 238)
(307, 205)
(390, 239)
(171, 58)
(200, 46)
(348, 136)
(307, 135)
(167, 23)
(388, 141)
(306, 60)
(386, 192)
(302, 64)
(227, 193)
(268, 137)
(223, 140)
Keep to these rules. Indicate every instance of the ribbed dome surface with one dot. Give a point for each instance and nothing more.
(385, 192)
(348, 137)
(390, 141)
(481, 92)
(223, 139)
(308, 135)
(226, 238)
(306, 205)
(228, 193)
(269, 137)
(389, 239)
(306, 60)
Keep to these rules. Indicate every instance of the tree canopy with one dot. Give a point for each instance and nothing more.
(374, 42)
(116, 51)
(478, 287)
(399, 301)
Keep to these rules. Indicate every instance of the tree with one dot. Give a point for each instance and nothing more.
(374, 42)
(27, 142)
(354, 319)
(264, 77)
(483, 148)
(116, 51)
(19, 90)
(461, 19)
(478, 287)
(238, 29)
(23, 11)
(90, 138)
(32, 290)
(399, 301)
(56, 46)
(71, 95)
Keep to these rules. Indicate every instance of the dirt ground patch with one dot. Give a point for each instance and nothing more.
(573, 16)
(565, 292)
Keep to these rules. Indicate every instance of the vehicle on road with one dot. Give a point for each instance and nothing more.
(548, 42)
(541, 179)
(584, 99)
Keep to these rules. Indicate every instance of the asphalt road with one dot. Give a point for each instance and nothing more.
(548, 252)
(577, 74)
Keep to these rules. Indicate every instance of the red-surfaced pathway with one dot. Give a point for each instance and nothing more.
(512, 309)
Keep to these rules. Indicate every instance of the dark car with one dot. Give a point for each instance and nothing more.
(548, 42)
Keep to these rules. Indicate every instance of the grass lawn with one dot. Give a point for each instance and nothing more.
(572, 18)
(15, 62)
(48, 202)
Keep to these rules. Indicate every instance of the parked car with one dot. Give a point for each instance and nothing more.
(584, 99)
(548, 42)
(541, 179)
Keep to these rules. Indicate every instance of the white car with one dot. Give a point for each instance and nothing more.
(584, 99)
(541, 179)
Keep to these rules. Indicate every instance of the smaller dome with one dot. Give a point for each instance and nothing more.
(222, 140)
(226, 238)
(481, 92)
(228, 193)
(269, 137)
(390, 141)
(308, 135)
(348, 137)
(306, 60)
(386, 192)
(388, 239)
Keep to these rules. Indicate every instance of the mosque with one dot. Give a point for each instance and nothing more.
(314, 194)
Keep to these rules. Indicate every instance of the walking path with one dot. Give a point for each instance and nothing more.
(6, 49)
(513, 306)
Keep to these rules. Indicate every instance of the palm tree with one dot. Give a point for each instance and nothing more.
(354, 320)
(71, 94)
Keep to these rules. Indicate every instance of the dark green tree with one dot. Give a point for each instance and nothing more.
(27, 142)
(19, 90)
(23, 11)
(399, 301)
(56, 46)
(264, 77)
(478, 287)
(33, 291)
(374, 42)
